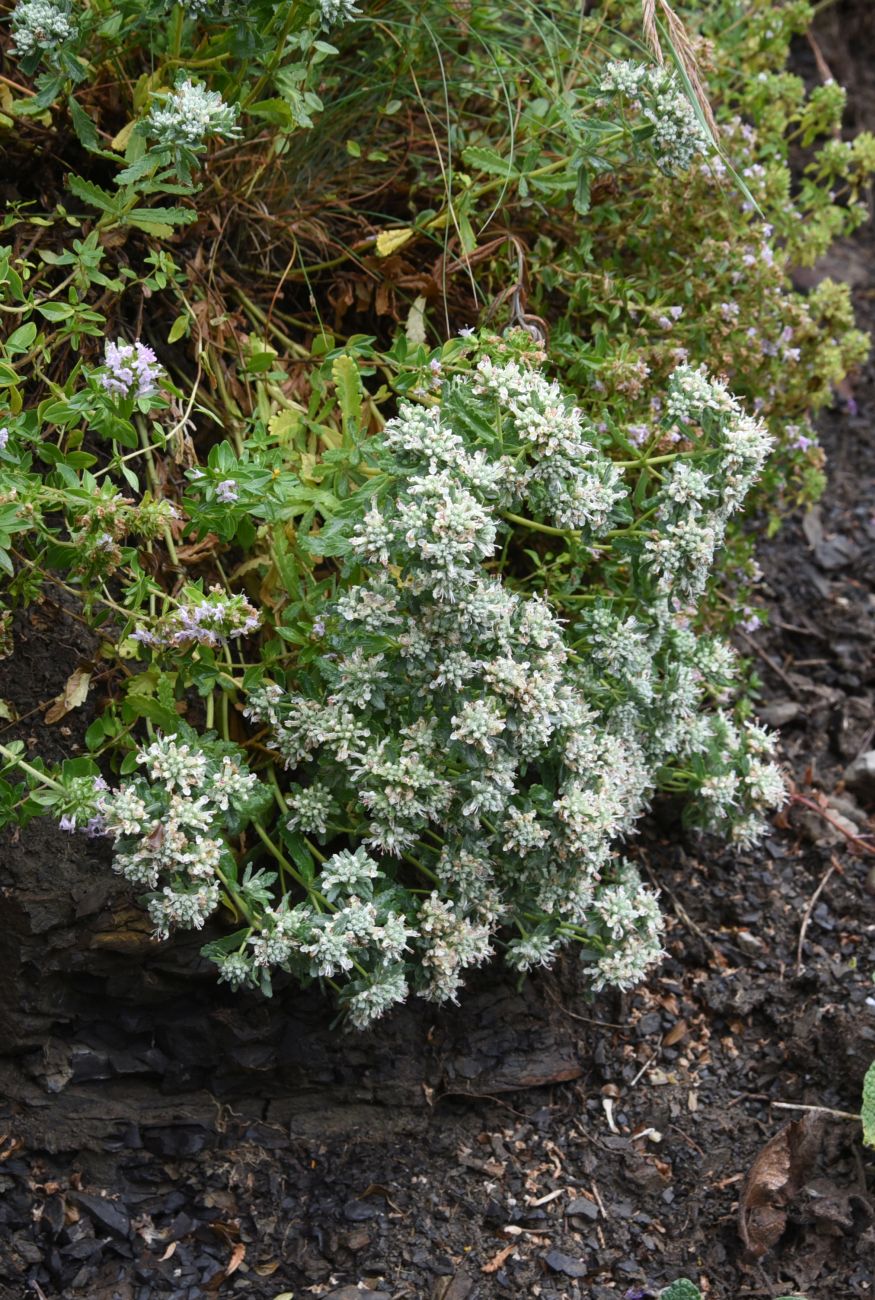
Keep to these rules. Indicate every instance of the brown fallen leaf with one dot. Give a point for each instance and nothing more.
(238, 1254)
(497, 1260)
(775, 1179)
(675, 1034)
(74, 693)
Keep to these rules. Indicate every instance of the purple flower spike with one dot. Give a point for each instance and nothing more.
(132, 370)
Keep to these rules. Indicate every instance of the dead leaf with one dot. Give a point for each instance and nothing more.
(775, 1179)
(74, 693)
(497, 1260)
(389, 241)
(675, 1034)
(416, 322)
(169, 1251)
(238, 1254)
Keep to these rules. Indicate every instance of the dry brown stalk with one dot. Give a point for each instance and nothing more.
(683, 49)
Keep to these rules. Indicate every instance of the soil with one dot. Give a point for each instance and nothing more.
(162, 1138)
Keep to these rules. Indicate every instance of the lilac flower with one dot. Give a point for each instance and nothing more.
(751, 621)
(802, 443)
(133, 370)
(67, 823)
(638, 433)
(96, 826)
(227, 491)
(4, 438)
(467, 332)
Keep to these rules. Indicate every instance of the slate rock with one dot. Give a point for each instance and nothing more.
(566, 1264)
(582, 1209)
(356, 1293)
(109, 1215)
(860, 776)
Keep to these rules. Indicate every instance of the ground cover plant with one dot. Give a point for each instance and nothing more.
(372, 393)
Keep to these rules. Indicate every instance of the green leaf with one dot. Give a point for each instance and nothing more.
(146, 706)
(168, 216)
(582, 193)
(55, 310)
(179, 328)
(348, 382)
(83, 126)
(487, 160)
(93, 194)
(682, 1289)
(867, 1110)
(21, 339)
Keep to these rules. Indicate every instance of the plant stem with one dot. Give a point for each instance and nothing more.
(42, 777)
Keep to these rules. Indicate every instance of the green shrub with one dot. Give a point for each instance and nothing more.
(399, 631)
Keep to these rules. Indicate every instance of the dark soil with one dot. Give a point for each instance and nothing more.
(161, 1138)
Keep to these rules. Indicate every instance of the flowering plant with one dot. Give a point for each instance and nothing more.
(399, 630)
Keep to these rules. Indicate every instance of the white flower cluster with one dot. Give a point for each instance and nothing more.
(656, 94)
(188, 115)
(450, 733)
(335, 13)
(40, 25)
(698, 498)
(169, 827)
(452, 707)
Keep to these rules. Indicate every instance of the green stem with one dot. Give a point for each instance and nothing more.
(538, 528)
(153, 484)
(234, 894)
(42, 777)
(291, 868)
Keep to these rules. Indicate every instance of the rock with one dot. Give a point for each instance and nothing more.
(847, 806)
(104, 1213)
(780, 712)
(356, 1293)
(583, 1209)
(860, 776)
(567, 1264)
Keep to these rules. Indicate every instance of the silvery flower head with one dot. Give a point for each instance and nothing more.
(40, 25)
(337, 12)
(189, 115)
(132, 370)
(656, 93)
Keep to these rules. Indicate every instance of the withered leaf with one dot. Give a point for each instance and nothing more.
(774, 1181)
(73, 694)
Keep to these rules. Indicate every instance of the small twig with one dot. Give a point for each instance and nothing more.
(586, 1020)
(864, 845)
(683, 49)
(683, 916)
(767, 658)
(645, 1067)
(807, 916)
(819, 1110)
